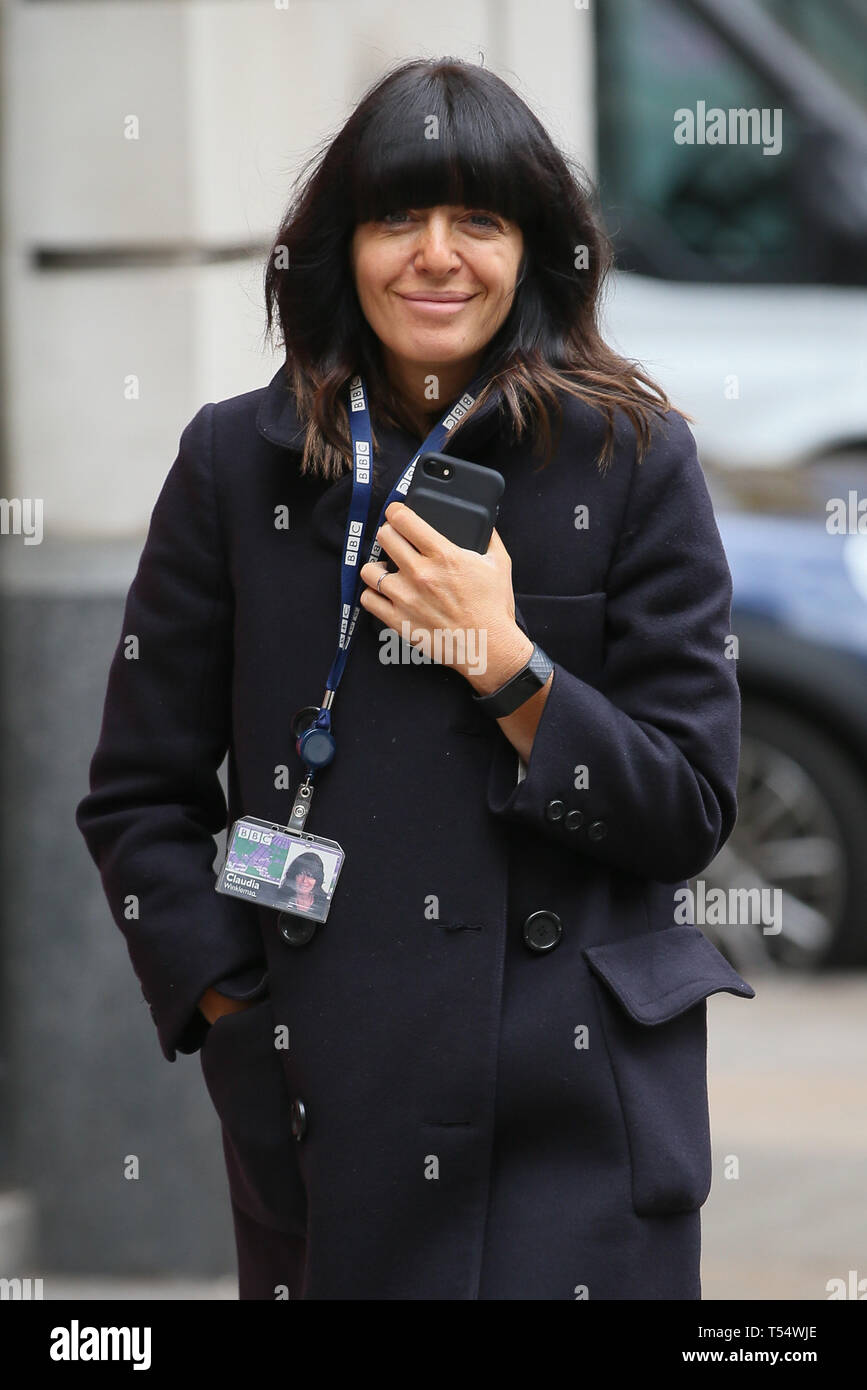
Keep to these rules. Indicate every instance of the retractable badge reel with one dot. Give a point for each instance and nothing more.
(314, 743)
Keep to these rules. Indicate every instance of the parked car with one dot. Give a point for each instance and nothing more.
(799, 613)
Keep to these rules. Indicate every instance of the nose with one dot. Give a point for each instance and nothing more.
(436, 251)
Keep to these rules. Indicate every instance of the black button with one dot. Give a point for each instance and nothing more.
(296, 930)
(555, 810)
(574, 820)
(542, 931)
(299, 1117)
(597, 830)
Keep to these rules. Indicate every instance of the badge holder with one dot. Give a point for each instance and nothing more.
(284, 867)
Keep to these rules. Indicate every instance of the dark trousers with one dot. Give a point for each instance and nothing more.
(270, 1264)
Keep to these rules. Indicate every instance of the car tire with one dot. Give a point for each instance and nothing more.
(797, 782)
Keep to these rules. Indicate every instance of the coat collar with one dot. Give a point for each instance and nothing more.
(277, 420)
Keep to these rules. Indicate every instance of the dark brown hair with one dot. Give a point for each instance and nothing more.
(491, 154)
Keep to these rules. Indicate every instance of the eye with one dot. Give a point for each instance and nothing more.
(488, 217)
(396, 213)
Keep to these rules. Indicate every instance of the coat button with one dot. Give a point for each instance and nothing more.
(597, 830)
(296, 930)
(555, 810)
(574, 820)
(299, 1117)
(542, 931)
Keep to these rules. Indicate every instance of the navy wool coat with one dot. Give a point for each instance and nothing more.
(458, 1114)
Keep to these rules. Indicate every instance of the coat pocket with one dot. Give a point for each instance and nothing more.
(569, 627)
(652, 993)
(247, 1085)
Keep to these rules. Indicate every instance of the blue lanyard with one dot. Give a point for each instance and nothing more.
(359, 508)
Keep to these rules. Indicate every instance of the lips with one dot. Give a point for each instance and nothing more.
(438, 298)
(438, 306)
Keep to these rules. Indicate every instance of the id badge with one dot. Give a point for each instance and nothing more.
(281, 867)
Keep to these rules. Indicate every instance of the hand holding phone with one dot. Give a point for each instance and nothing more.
(458, 498)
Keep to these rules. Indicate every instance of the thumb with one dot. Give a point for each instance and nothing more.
(498, 553)
(495, 545)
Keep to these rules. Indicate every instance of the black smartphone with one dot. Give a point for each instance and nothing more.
(459, 499)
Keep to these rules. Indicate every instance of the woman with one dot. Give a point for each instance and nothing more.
(494, 1085)
(304, 881)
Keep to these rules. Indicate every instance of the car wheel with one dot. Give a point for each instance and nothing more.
(801, 830)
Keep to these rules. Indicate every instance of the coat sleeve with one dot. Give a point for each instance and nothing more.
(661, 744)
(155, 800)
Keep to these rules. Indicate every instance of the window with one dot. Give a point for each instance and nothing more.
(728, 211)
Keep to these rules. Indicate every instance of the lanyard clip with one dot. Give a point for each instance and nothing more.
(301, 804)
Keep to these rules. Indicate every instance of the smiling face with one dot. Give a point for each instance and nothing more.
(305, 883)
(435, 284)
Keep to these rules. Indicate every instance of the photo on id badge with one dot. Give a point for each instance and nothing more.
(309, 879)
(282, 869)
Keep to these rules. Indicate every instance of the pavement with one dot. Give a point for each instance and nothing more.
(788, 1103)
(788, 1098)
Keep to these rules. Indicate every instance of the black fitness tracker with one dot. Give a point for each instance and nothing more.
(530, 679)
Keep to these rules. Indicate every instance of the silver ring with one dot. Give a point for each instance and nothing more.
(379, 581)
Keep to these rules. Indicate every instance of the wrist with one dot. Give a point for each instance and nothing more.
(533, 677)
(504, 659)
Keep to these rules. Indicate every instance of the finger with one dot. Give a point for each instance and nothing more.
(389, 591)
(415, 529)
(374, 569)
(377, 603)
(394, 544)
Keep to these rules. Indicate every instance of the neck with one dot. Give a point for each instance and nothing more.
(412, 381)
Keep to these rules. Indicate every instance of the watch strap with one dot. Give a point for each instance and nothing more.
(520, 688)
